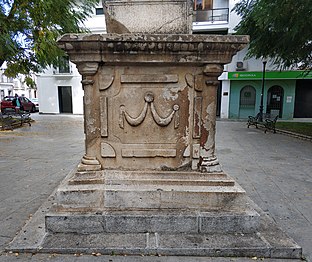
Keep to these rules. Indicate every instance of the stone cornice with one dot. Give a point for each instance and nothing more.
(152, 48)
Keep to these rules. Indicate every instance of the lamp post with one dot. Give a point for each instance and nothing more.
(262, 91)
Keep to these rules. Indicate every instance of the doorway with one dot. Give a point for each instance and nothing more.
(303, 105)
(65, 99)
(247, 101)
(275, 101)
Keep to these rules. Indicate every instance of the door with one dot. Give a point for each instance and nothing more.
(303, 105)
(247, 102)
(275, 101)
(65, 99)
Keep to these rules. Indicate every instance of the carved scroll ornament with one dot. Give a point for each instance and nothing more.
(149, 101)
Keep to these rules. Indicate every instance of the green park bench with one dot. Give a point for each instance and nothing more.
(267, 121)
(10, 118)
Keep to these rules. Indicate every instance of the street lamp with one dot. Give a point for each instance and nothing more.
(262, 91)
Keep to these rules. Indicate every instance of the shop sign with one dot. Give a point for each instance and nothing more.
(270, 75)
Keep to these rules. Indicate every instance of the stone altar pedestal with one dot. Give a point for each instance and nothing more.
(150, 181)
(150, 115)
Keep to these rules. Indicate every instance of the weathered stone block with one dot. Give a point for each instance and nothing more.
(229, 222)
(157, 221)
(142, 223)
(79, 197)
(69, 223)
(149, 16)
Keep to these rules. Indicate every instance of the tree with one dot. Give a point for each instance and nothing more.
(29, 30)
(279, 29)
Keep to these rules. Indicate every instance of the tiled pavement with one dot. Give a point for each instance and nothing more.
(274, 169)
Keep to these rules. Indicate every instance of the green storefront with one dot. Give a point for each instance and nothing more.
(279, 96)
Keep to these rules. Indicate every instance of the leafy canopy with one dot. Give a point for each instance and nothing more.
(29, 30)
(279, 29)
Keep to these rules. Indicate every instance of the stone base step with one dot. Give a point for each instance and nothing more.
(161, 221)
(117, 176)
(267, 242)
(150, 174)
(139, 182)
(162, 244)
(148, 196)
(148, 190)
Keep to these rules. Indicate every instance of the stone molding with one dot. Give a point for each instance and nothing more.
(87, 69)
(203, 49)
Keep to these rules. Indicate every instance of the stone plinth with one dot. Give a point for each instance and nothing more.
(150, 100)
(150, 163)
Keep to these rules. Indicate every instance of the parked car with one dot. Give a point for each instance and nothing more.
(26, 104)
(36, 102)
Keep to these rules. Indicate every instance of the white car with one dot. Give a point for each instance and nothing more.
(35, 101)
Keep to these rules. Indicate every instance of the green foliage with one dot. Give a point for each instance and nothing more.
(279, 29)
(29, 30)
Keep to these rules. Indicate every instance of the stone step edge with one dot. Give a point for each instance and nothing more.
(151, 188)
(131, 173)
(76, 243)
(119, 174)
(142, 222)
(212, 182)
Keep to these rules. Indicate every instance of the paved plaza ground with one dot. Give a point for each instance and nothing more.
(274, 169)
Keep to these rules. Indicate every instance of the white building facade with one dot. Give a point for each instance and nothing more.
(6, 85)
(10, 86)
(60, 89)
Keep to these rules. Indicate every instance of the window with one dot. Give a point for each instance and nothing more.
(203, 4)
(248, 96)
(64, 65)
(99, 11)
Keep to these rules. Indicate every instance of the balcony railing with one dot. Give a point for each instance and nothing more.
(63, 70)
(212, 15)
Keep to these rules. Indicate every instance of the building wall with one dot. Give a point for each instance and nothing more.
(49, 81)
(10, 86)
(48, 84)
(233, 17)
(289, 87)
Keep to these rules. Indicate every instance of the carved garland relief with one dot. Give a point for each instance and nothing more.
(135, 119)
(149, 102)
